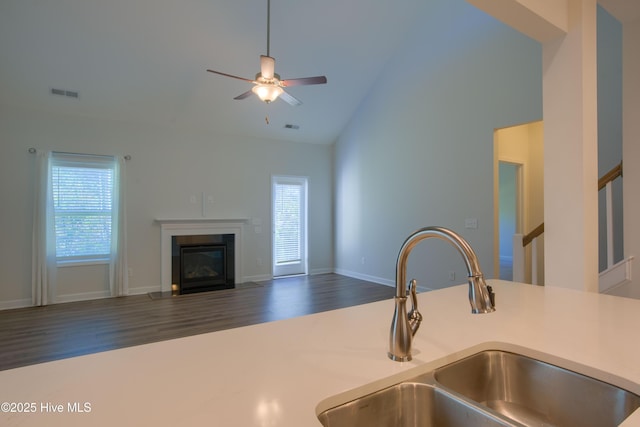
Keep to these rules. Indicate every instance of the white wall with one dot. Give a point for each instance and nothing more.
(631, 151)
(168, 166)
(419, 151)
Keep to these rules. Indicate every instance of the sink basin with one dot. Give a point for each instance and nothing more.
(535, 393)
(490, 388)
(408, 404)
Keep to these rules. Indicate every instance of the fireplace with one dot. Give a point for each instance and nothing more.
(203, 262)
(171, 228)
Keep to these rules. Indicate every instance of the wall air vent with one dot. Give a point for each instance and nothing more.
(66, 93)
(290, 126)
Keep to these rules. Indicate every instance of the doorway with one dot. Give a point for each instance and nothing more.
(510, 219)
(518, 194)
(289, 225)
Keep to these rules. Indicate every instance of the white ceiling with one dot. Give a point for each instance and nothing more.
(146, 60)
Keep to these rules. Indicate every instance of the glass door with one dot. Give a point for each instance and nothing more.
(289, 216)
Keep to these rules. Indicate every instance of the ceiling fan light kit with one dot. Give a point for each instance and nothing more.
(267, 92)
(267, 84)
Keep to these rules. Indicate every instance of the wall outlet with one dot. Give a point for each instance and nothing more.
(363, 260)
(471, 223)
(452, 275)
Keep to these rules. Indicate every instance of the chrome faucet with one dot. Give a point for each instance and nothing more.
(405, 325)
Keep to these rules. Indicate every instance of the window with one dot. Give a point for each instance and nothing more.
(289, 225)
(83, 190)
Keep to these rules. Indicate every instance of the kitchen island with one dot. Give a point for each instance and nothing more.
(284, 373)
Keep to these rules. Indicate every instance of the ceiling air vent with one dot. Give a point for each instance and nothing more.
(66, 93)
(290, 126)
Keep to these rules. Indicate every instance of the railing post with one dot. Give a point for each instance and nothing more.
(609, 202)
(534, 261)
(518, 258)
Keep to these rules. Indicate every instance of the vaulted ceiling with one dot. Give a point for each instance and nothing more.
(146, 60)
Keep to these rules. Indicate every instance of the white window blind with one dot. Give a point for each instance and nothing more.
(288, 202)
(83, 195)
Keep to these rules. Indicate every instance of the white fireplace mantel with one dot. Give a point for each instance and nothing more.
(170, 227)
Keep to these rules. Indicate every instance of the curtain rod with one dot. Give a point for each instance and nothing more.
(34, 151)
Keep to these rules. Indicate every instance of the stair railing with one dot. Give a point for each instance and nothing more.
(605, 182)
(520, 242)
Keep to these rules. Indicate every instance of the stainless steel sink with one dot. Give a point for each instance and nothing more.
(408, 404)
(490, 388)
(535, 393)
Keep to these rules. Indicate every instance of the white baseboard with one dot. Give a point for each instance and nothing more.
(317, 271)
(616, 276)
(18, 303)
(84, 296)
(367, 277)
(6, 305)
(144, 290)
(256, 278)
(265, 277)
(375, 279)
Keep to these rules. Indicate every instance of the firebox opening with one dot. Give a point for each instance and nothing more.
(202, 266)
(203, 263)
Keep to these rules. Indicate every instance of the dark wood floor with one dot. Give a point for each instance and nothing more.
(39, 334)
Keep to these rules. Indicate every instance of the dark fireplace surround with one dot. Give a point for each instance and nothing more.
(202, 263)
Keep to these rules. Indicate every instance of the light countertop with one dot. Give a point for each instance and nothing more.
(283, 373)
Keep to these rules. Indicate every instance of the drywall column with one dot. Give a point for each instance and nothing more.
(631, 149)
(567, 31)
(570, 114)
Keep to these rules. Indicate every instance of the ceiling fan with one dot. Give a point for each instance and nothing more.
(267, 85)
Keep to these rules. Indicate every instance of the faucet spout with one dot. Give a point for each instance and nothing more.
(404, 325)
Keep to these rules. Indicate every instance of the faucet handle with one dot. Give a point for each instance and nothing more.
(414, 316)
(492, 295)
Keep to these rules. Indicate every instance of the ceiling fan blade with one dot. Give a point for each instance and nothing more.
(267, 66)
(230, 75)
(318, 80)
(291, 100)
(244, 95)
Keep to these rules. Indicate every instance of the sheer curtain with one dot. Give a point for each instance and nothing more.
(43, 239)
(118, 269)
(44, 264)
